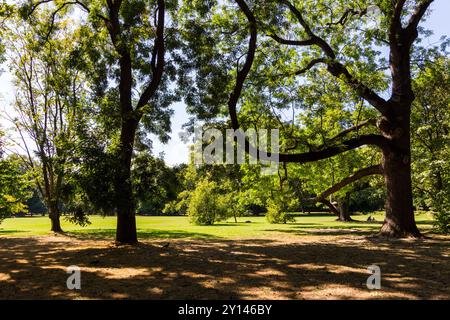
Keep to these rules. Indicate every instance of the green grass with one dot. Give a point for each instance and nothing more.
(179, 227)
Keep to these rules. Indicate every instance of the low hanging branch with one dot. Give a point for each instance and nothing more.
(322, 198)
(331, 206)
(369, 171)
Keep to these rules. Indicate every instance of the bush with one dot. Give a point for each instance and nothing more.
(179, 206)
(205, 205)
(440, 205)
(14, 189)
(170, 208)
(276, 211)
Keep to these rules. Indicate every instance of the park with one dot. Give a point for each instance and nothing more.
(224, 150)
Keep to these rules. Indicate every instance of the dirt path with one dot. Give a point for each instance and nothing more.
(307, 267)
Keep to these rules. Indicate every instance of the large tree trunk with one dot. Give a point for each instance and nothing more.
(399, 221)
(126, 219)
(344, 208)
(53, 213)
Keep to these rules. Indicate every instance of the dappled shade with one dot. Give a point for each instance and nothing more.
(305, 267)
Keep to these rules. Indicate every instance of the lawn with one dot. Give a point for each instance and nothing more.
(179, 227)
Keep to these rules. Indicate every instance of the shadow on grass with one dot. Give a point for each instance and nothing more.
(5, 232)
(312, 214)
(233, 224)
(356, 227)
(303, 224)
(425, 222)
(324, 231)
(108, 234)
(209, 269)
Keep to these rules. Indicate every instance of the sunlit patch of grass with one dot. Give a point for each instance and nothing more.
(179, 227)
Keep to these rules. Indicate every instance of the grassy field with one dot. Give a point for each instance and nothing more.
(179, 227)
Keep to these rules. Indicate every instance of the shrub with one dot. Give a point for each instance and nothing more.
(170, 208)
(276, 211)
(205, 205)
(178, 206)
(13, 189)
(440, 205)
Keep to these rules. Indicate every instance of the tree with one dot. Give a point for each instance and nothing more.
(128, 43)
(47, 104)
(90, 183)
(332, 181)
(206, 206)
(155, 183)
(431, 144)
(14, 184)
(338, 40)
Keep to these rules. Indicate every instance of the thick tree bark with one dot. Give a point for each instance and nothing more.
(126, 218)
(399, 221)
(395, 126)
(53, 213)
(51, 196)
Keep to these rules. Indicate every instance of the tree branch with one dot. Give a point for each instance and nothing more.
(351, 144)
(370, 122)
(418, 14)
(348, 13)
(329, 205)
(157, 62)
(310, 65)
(242, 74)
(336, 68)
(372, 170)
(278, 39)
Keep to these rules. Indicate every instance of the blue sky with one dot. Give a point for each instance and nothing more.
(176, 151)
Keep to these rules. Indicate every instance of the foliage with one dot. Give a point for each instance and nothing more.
(34, 203)
(90, 183)
(49, 101)
(206, 205)
(440, 206)
(431, 140)
(155, 183)
(178, 206)
(110, 82)
(14, 187)
(276, 211)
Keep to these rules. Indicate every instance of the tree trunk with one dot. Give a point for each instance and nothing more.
(126, 219)
(399, 221)
(344, 208)
(53, 214)
(332, 208)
